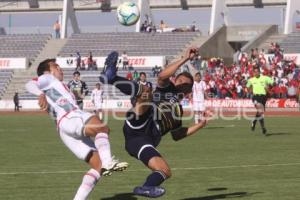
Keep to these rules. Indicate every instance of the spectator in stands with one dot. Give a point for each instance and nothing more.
(156, 70)
(90, 61)
(143, 27)
(162, 26)
(82, 65)
(130, 68)
(125, 60)
(291, 91)
(129, 75)
(136, 75)
(56, 28)
(16, 102)
(78, 61)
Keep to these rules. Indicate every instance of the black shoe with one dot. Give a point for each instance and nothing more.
(110, 70)
(264, 131)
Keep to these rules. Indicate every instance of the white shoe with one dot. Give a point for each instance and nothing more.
(115, 165)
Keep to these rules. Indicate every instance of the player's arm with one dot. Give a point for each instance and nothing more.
(183, 132)
(32, 87)
(170, 70)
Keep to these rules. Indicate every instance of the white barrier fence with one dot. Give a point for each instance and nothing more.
(135, 61)
(13, 63)
(123, 105)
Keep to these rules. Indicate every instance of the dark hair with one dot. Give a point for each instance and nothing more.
(186, 74)
(76, 73)
(256, 68)
(198, 73)
(44, 66)
(142, 73)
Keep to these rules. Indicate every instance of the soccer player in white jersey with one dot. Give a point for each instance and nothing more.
(199, 94)
(75, 127)
(97, 100)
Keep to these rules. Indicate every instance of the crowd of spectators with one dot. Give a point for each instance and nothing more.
(148, 27)
(229, 81)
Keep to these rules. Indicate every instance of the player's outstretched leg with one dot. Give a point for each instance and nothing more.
(95, 128)
(109, 76)
(91, 178)
(160, 172)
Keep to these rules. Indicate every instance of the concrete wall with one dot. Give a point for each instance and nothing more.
(217, 46)
(244, 33)
(256, 41)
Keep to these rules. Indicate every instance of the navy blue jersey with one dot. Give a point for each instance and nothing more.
(167, 111)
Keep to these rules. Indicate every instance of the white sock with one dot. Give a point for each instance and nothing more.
(89, 181)
(103, 146)
(196, 118)
(100, 115)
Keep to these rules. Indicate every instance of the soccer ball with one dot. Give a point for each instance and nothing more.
(128, 13)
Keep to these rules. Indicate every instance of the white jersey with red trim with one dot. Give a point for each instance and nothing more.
(198, 91)
(60, 100)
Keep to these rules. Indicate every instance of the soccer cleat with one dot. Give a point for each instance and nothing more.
(149, 191)
(264, 131)
(110, 69)
(115, 165)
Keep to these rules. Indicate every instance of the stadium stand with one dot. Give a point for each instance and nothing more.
(22, 45)
(135, 44)
(291, 43)
(5, 77)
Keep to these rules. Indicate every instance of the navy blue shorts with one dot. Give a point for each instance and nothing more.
(140, 134)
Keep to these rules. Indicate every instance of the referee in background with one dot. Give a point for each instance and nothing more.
(259, 85)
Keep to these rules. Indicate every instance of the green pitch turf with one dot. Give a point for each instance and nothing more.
(223, 161)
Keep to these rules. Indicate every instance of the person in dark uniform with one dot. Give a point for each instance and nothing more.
(78, 88)
(16, 102)
(153, 115)
(259, 85)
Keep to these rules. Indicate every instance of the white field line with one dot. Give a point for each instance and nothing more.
(174, 169)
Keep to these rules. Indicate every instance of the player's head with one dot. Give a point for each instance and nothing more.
(198, 77)
(98, 86)
(256, 72)
(143, 76)
(184, 83)
(49, 66)
(76, 75)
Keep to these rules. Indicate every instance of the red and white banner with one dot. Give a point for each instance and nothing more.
(125, 104)
(13, 63)
(135, 61)
(287, 56)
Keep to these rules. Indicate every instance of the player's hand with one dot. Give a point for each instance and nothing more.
(42, 101)
(190, 53)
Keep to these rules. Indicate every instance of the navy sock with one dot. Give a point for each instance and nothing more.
(126, 86)
(155, 179)
(257, 116)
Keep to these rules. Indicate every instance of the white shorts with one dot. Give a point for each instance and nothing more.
(71, 131)
(198, 106)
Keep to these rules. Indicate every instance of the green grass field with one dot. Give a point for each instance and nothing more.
(223, 161)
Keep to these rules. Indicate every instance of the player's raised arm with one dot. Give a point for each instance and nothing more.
(170, 70)
(32, 87)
